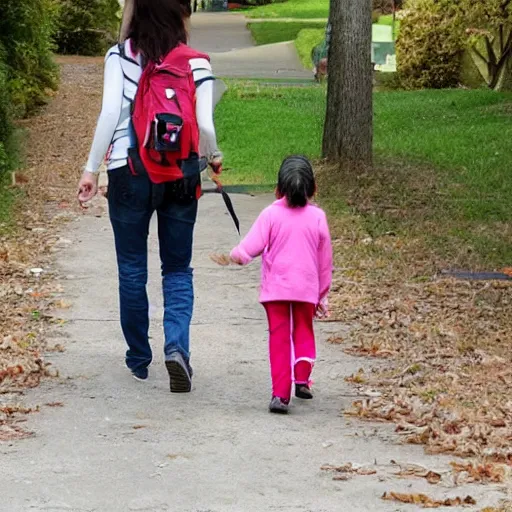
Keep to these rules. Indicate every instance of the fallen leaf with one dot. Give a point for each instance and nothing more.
(60, 304)
(335, 340)
(13, 433)
(471, 472)
(54, 404)
(413, 470)
(348, 469)
(366, 472)
(426, 501)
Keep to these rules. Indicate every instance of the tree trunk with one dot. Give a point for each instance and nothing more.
(348, 131)
(127, 16)
(393, 25)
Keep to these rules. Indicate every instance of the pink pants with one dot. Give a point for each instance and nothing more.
(291, 344)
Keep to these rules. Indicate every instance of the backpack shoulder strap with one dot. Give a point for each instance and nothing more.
(123, 54)
(122, 49)
(192, 53)
(182, 54)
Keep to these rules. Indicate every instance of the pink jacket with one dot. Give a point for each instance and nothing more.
(297, 253)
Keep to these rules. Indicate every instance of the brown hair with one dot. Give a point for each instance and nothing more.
(158, 26)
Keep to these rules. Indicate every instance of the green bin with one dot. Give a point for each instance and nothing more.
(216, 5)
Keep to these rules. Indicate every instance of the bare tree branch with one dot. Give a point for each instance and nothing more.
(505, 4)
(491, 55)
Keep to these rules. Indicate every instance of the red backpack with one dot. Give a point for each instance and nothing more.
(164, 117)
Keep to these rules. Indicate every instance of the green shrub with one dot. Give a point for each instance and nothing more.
(306, 41)
(430, 44)
(387, 81)
(27, 70)
(87, 27)
(26, 29)
(5, 115)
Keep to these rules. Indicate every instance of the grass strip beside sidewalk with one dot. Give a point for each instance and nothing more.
(277, 32)
(443, 161)
(300, 9)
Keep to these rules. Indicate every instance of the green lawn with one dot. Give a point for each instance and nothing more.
(462, 132)
(461, 136)
(258, 125)
(276, 32)
(292, 9)
(305, 42)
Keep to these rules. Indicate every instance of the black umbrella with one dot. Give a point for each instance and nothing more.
(219, 189)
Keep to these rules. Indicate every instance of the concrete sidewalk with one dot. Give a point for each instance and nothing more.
(219, 32)
(278, 60)
(228, 41)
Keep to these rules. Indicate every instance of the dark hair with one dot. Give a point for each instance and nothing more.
(296, 181)
(158, 26)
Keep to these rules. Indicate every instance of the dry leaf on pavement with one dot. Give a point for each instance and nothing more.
(470, 472)
(426, 501)
(414, 470)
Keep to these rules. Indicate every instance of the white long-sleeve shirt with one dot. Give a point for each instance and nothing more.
(122, 75)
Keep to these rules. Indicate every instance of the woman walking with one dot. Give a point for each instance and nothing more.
(156, 28)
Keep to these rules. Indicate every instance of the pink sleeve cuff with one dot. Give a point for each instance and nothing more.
(239, 254)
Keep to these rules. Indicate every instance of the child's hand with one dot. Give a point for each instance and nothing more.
(235, 261)
(322, 310)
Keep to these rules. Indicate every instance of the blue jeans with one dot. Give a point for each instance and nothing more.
(131, 208)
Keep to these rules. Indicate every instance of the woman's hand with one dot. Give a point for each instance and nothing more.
(224, 260)
(221, 259)
(322, 310)
(87, 187)
(216, 162)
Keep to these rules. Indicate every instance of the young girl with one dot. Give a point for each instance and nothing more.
(293, 238)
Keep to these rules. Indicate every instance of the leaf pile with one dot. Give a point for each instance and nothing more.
(56, 148)
(428, 502)
(9, 429)
(447, 343)
(471, 472)
(25, 311)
